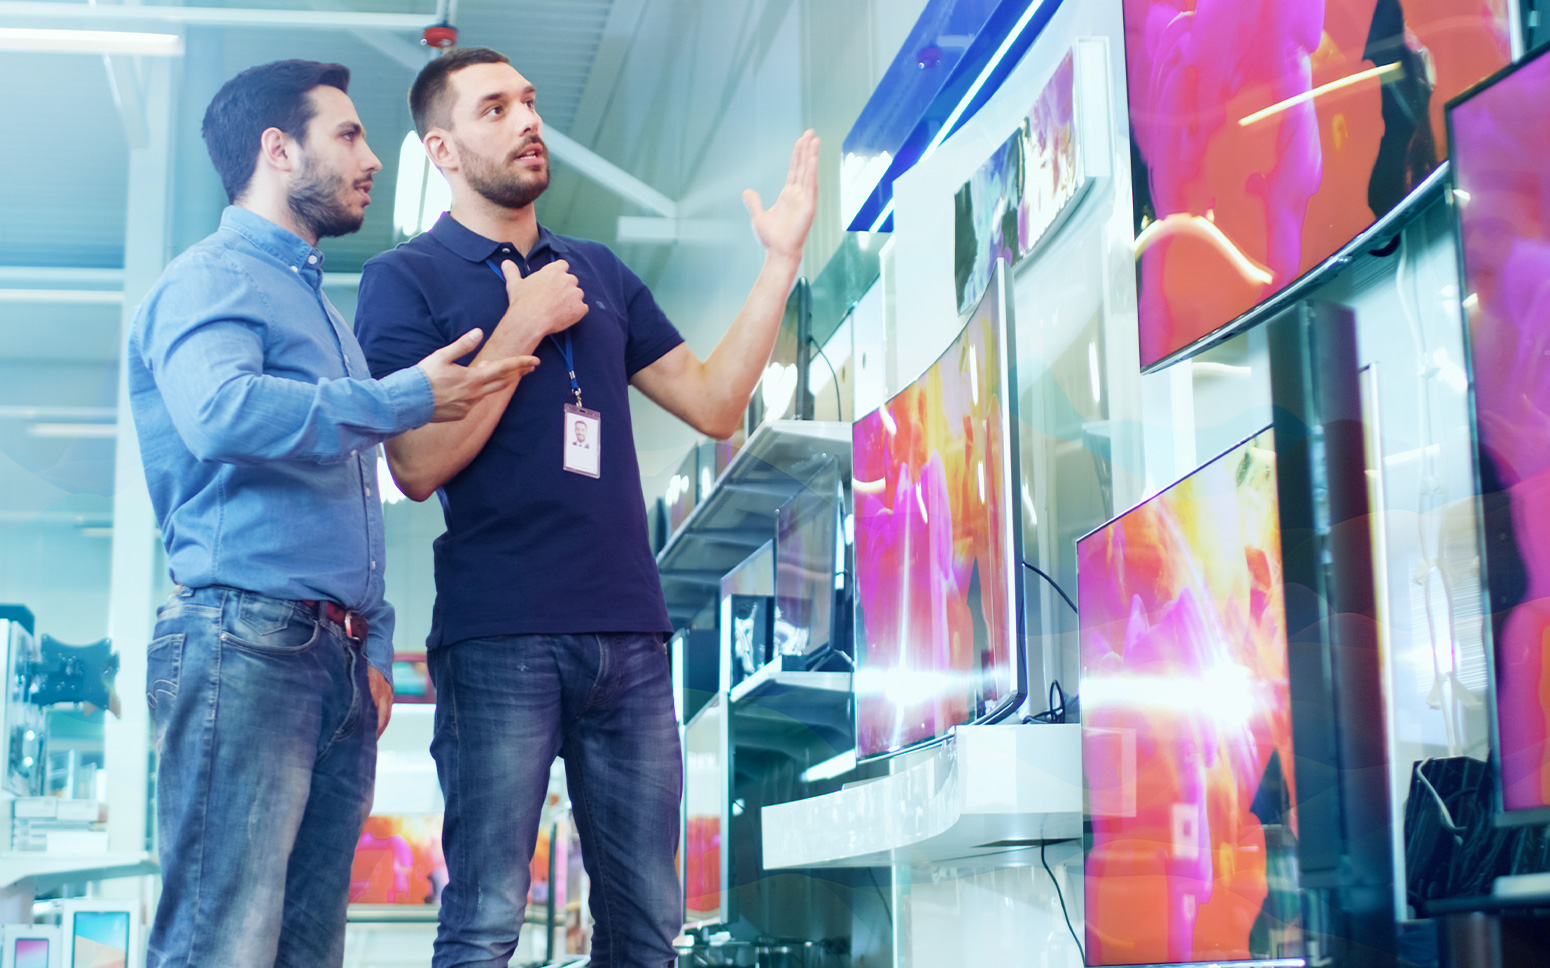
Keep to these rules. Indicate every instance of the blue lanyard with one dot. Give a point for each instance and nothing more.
(567, 350)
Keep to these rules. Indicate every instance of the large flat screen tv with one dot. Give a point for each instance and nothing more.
(938, 616)
(1267, 135)
(1187, 723)
(809, 564)
(707, 781)
(1500, 140)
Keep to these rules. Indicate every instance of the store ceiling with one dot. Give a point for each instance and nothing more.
(64, 194)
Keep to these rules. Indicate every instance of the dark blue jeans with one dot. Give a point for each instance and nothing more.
(505, 707)
(267, 743)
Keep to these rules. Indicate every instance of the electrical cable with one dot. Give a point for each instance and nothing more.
(839, 411)
(1062, 898)
(1053, 584)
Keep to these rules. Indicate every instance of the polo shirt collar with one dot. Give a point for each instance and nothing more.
(283, 244)
(474, 247)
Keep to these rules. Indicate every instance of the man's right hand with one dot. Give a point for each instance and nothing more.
(548, 301)
(457, 388)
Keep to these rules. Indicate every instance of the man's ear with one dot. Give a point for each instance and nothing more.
(275, 149)
(440, 149)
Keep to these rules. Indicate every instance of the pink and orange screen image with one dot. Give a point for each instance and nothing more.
(935, 617)
(1186, 724)
(1267, 134)
(399, 861)
(705, 804)
(1502, 197)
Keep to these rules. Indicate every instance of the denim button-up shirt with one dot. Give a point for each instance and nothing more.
(258, 424)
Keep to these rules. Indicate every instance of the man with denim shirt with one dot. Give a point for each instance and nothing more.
(269, 675)
(547, 634)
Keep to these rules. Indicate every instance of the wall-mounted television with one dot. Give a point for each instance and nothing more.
(1187, 723)
(707, 782)
(1270, 138)
(938, 613)
(809, 564)
(1500, 143)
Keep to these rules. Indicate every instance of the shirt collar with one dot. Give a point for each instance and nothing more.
(474, 247)
(283, 244)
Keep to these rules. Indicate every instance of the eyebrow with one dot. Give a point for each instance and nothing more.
(503, 95)
(350, 127)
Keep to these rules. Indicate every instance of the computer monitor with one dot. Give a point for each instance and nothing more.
(938, 611)
(1269, 138)
(809, 560)
(707, 782)
(1500, 142)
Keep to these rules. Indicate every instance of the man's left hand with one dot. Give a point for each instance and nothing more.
(382, 695)
(782, 228)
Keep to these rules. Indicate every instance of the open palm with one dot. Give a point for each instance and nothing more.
(782, 228)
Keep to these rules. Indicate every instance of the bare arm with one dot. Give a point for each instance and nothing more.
(548, 301)
(711, 395)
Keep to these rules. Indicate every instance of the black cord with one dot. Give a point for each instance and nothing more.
(1053, 584)
(839, 411)
(1061, 896)
(1056, 713)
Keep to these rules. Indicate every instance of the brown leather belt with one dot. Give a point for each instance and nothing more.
(352, 622)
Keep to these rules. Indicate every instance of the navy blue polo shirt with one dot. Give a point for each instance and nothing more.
(529, 546)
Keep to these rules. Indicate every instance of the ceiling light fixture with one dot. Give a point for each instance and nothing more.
(50, 41)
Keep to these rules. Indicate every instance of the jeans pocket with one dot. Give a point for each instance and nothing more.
(294, 638)
(259, 616)
(163, 665)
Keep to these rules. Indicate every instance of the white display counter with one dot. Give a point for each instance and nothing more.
(985, 790)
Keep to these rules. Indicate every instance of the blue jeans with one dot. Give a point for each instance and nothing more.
(505, 707)
(267, 744)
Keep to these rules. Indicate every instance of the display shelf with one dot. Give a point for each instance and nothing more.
(738, 513)
(48, 870)
(802, 714)
(985, 790)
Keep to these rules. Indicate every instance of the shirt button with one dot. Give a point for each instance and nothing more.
(311, 259)
(373, 564)
(294, 269)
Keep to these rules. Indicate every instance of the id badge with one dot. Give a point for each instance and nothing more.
(583, 441)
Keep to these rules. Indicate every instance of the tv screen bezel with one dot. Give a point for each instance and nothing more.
(1504, 816)
(1376, 235)
(1011, 471)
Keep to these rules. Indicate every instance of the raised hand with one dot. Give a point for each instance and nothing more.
(782, 228)
(547, 301)
(456, 388)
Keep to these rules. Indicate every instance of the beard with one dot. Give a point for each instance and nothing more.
(317, 201)
(505, 188)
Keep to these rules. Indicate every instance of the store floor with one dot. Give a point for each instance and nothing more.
(409, 946)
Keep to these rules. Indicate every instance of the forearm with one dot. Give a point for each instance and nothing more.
(732, 370)
(423, 460)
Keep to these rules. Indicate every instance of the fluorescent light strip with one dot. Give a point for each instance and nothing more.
(49, 41)
(101, 296)
(968, 97)
(104, 431)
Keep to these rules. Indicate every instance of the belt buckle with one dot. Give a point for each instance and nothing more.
(351, 619)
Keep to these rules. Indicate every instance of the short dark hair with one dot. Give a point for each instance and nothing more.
(428, 95)
(267, 96)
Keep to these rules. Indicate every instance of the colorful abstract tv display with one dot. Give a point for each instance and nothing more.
(706, 776)
(398, 860)
(1018, 197)
(1268, 134)
(938, 629)
(1501, 144)
(1186, 724)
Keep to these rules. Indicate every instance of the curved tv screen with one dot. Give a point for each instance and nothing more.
(1501, 174)
(938, 632)
(1267, 134)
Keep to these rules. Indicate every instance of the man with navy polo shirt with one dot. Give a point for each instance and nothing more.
(547, 633)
